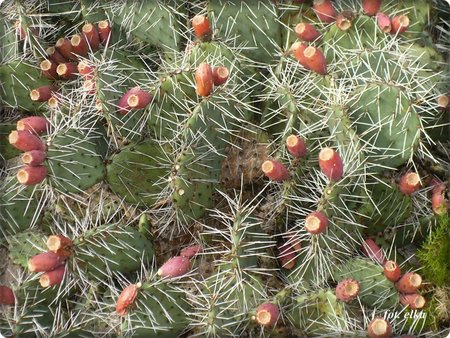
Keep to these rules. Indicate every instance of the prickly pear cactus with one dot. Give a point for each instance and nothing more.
(224, 168)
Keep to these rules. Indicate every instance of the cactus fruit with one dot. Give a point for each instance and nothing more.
(224, 168)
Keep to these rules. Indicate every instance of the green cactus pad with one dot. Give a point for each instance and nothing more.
(317, 312)
(138, 173)
(375, 289)
(111, 248)
(24, 245)
(387, 207)
(254, 25)
(386, 120)
(74, 162)
(18, 80)
(19, 206)
(159, 311)
(166, 22)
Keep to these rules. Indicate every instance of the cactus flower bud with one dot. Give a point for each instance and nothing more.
(191, 251)
(175, 267)
(127, 298)
(204, 80)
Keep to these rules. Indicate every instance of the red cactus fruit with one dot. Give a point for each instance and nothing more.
(298, 50)
(60, 245)
(306, 32)
(204, 80)
(25, 141)
(315, 60)
(202, 27)
(347, 290)
(66, 71)
(134, 98)
(175, 267)
(48, 69)
(55, 56)
(413, 300)
(296, 146)
(79, 45)
(52, 277)
(34, 158)
(86, 70)
(64, 46)
(409, 183)
(89, 86)
(29, 175)
(34, 124)
(267, 314)
(288, 250)
(392, 271)
(275, 170)
(126, 298)
(139, 99)
(384, 22)
(53, 102)
(324, 10)
(6, 296)
(331, 164)
(90, 33)
(344, 20)
(41, 94)
(400, 24)
(191, 251)
(443, 101)
(409, 283)
(438, 202)
(220, 75)
(20, 31)
(379, 328)
(46, 261)
(371, 7)
(316, 222)
(373, 251)
(104, 32)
